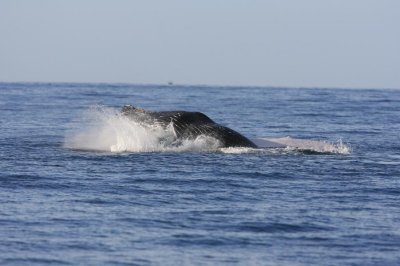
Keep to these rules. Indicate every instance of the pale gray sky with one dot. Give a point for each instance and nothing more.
(296, 43)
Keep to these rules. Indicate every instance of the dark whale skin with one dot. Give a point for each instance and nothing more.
(189, 125)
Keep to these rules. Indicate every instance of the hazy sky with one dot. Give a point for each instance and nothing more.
(296, 43)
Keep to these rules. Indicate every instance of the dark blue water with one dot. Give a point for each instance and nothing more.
(283, 207)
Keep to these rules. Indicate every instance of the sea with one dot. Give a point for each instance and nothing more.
(82, 185)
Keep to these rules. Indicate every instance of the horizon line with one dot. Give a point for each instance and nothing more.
(173, 84)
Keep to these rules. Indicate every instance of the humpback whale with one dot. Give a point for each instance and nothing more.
(190, 125)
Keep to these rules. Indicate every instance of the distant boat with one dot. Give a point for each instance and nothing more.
(170, 83)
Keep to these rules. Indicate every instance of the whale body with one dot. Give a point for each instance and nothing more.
(190, 125)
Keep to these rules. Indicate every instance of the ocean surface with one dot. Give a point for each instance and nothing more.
(81, 185)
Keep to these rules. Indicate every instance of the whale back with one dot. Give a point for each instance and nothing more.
(189, 125)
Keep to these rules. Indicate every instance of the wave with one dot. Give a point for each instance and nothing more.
(106, 130)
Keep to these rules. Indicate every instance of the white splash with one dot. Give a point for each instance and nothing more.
(105, 129)
(318, 146)
(239, 150)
